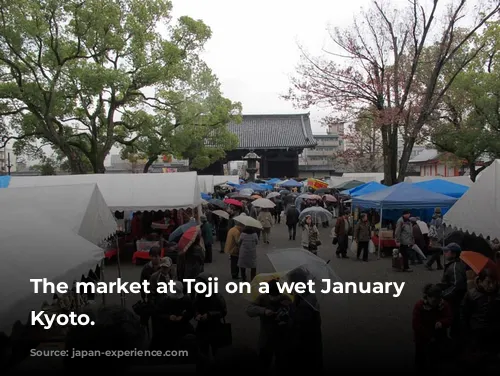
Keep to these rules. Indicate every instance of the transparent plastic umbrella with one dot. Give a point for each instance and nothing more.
(304, 266)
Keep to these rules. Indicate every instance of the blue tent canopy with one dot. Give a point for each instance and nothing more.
(4, 181)
(256, 187)
(366, 189)
(403, 196)
(444, 187)
(291, 183)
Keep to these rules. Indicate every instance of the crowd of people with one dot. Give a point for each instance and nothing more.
(457, 319)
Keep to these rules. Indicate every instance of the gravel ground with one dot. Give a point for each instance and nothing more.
(365, 332)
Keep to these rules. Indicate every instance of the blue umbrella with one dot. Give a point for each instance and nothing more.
(179, 231)
(291, 183)
(218, 203)
(253, 186)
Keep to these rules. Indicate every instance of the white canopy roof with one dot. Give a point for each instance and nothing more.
(80, 208)
(478, 210)
(221, 179)
(463, 180)
(31, 247)
(206, 183)
(130, 191)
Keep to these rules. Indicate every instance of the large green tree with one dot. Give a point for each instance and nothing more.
(468, 120)
(84, 76)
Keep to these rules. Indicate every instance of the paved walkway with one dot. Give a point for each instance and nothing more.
(360, 332)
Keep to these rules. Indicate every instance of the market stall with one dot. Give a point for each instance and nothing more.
(478, 210)
(364, 189)
(81, 208)
(130, 191)
(34, 247)
(444, 187)
(399, 197)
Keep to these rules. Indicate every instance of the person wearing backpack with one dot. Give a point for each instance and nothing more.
(435, 240)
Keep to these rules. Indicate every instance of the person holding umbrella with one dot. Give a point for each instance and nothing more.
(191, 258)
(232, 248)
(208, 238)
(266, 219)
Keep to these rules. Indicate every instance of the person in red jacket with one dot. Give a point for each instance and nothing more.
(432, 317)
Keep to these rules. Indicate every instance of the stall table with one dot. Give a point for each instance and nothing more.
(384, 243)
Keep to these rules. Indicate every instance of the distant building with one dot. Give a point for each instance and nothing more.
(318, 161)
(7, 158)
(430, 162)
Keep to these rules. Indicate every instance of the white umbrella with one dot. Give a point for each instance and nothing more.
(273, 194)
(247, 221)
(263, 203)
(316, 213)
(221, 213)
(423, 227)
(246, 192)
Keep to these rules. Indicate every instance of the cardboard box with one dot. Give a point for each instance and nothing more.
(386, 235)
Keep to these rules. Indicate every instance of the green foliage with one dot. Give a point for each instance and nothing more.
(469, 126)
(78, 75)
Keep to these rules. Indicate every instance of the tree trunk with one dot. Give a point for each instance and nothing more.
(75, 164)
(390, 153)
(405, 158)
(149, 163)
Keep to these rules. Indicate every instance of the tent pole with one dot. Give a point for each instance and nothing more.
(380, 233)
(122, 295)
(102, 279)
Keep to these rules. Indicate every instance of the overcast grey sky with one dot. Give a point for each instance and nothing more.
(254, 49)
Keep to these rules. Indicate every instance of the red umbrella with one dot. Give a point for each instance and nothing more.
(232, 201)
(188, 238)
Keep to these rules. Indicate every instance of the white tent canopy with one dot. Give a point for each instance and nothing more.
(130, 191)
(221, 179)
(463, 180)
(79, 207)
(478, 210)
(31, 248)
(206, 183)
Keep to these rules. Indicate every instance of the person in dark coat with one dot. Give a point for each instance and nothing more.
(341, 232)
(480, 316)
(173, 313)
(150, 268)
(454, 283)
(208, 238)
(209, 313)
(222, 233)
(306, 343)
(432, 316)
(273, 311)
(277, 211)
(292, 219)
(191, 262)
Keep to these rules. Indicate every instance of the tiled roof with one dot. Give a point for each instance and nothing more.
(425, 155)
(274, 132)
